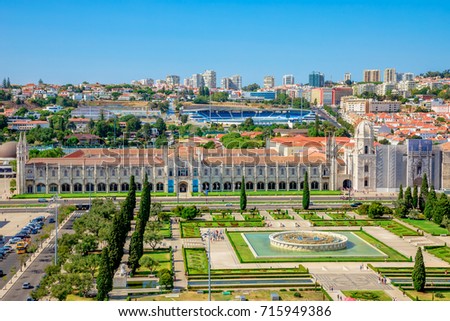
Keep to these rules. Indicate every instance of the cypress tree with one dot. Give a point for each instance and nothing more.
(424, 187)
(243, 196)
(306, 197)
(135, 251)
(4, 83)
(408, 198)
(131, 198)
(419, 273)
(441, 209)
(105, 276)
(415, 197)
(430, 204)
(400, 193)
(116, 241)
(8, 83)
(144, 209)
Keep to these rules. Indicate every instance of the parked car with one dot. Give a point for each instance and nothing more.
(356, 204)
(1, 273)
(42, 200)
(51, 220)
(14, 240)
(8, 248)
(26, 285)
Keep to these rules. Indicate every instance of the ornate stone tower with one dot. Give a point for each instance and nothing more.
(21, 158)
(364, 158)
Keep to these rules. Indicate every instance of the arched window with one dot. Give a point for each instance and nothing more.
(293, 185)
(125, 187)
(53, 173)
(41, 173)
(366, 182)
(237, 185)
(78, 173)
(325, 186)
(216, 186)
(302, 185)
(249, 185)
(125, 172)
(65, 187)
(101, 187)
(89, 187)
(113, 172)
(366, 149)
(40, 188)
(136, 172)
(139, 187)
(281, 185)
(227, 186)
(314, 185)
(260, 186)
(77, 187)
(150, 185)
(66, 173)
(113, 187)
(102, 172)
(271, 186)
(30, 189)
(205, 186)
(160, 187)
(53, 188)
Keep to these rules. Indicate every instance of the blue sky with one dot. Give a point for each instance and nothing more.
(117, 41)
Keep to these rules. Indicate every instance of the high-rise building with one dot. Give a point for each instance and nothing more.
(187, 82)
(232, 83)
(347, 76)
(209, 78)
(316, 79)
(288, 80)
(173, 80)
(371, 75)
(390, 76)
(269, 82)
(197, 81)
(408, 76)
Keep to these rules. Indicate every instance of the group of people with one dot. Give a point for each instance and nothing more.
(216, 235)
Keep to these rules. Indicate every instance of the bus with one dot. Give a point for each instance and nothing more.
(21, 247)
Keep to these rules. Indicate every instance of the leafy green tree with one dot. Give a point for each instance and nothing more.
(306, 197)
(251, 87)
(415, 197)
(190, 212)
(105, 276)
(152, 235)
(419, 272)
(135, 251)
(408, 198)
(400, 193)
(150, 263)
(376, 210)
(441, 209)
(243, 196)
(165, 278)
(160, 125)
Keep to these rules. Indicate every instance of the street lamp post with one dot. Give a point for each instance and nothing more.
(55, 199)
(209, 265)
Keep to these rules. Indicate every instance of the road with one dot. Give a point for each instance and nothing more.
(35, 272)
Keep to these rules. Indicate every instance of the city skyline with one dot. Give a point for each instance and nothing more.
(116, 43)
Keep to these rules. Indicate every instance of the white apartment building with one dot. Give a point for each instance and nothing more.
(288, 80)
(209, 79)
(384, 106)
(197, 81)
(390, 76)
(354, 105)
(371, 75)
(361, 88)
(173, 80)
(269, 82)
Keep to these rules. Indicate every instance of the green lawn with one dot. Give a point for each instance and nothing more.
(192, 228)
(86, 195)
(427, 226)
(442, 252)
(310, 216)
(162, 256)
(368, 295)
(220, 217)
(343, 223)
(245, 255)
(397, 228)
(23, 205)
(266, 193)
(196, 261)
(339, 216)
(429, 295)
